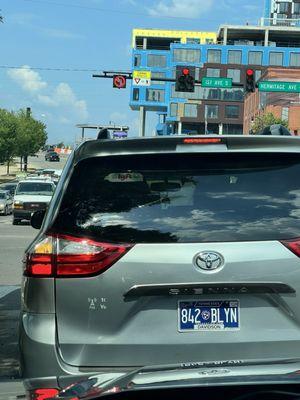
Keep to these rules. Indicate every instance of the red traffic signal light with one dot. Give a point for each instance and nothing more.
(119, 81)
(250, 81)
(185, 79)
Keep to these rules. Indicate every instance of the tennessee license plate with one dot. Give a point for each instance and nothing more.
(208, 315)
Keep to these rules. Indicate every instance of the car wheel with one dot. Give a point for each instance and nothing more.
(5, 211)
(16, 221)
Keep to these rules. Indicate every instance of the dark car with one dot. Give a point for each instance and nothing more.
(52, 156)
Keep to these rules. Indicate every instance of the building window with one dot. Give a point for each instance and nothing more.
(136, 94)
(213, 73)
(275, 58)
(295, 59)
(196, 95)
(211, 111)
(158, 75)
(186, 55)
(285, 113)
(233, 94)
(137, 60)
(255, 58)
(214, 56)
(155, 60)
(190, 110)
(193, 40)
(283, 7)
(281, 16)
(155, 95)
(173, 109)
(232, 111)
(257, 75)
(234, 57)
(296, 8)
(209, 41)
(234, 74)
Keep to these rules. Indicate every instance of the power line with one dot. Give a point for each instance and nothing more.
(114, 11)
(51, 69)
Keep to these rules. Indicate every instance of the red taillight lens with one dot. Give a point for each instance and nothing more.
(293, 245)
(67, 256)
(43, 394)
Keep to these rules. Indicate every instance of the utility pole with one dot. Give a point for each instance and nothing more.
(28, 114)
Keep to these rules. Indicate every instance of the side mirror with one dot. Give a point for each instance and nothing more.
(37, 218)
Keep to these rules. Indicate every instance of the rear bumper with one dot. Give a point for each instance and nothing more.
(39, 354)
(22, 214)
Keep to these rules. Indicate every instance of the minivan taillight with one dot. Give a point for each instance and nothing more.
(66, 256)
(293, 245)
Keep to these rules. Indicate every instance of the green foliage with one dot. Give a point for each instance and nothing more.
(264, 120)
(60, 145)
(8, 136)
(32, 134)
(20, 135)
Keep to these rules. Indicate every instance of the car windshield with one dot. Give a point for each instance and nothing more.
(35, 188)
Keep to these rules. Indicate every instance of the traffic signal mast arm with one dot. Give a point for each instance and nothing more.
(128, 75)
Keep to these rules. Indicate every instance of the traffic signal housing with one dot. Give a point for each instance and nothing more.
(185, 79)
(250, 81)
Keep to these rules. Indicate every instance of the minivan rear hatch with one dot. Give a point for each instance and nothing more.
(201, 273)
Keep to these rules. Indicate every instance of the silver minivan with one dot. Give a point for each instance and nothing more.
(165, 250)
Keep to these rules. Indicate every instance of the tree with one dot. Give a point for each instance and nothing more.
(264, 120)
(8, 136)
(60, 145)
(32, 135)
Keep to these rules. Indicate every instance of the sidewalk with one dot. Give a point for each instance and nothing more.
(14, 169)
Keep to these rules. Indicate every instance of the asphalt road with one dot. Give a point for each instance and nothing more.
(14, 239)
(39, 162)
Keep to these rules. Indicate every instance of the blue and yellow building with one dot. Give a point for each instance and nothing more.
(226, 53)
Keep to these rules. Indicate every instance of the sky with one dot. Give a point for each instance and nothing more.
(91, 36)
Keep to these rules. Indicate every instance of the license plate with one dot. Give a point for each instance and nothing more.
(209, 315)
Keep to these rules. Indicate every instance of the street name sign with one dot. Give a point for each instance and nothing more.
(277, 86)
(217, 82)
(141, 78)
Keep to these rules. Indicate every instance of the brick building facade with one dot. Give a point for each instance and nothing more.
(283, 105)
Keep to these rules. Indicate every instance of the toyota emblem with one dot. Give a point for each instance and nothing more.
(209, 260)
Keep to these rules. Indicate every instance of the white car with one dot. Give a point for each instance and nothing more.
(30, 196)
(5, 202)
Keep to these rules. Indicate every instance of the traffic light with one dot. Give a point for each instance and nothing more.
(185, 79)
(250, 81)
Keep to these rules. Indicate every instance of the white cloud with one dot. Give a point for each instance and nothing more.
(60, 97)
(27, 79)
(181, 8)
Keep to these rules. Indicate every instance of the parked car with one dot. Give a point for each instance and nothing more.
(6, 202)
(31, 195)
(165, 250)
(52, 156)
(10, 186)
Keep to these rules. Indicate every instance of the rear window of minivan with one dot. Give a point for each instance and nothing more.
(168, 198)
